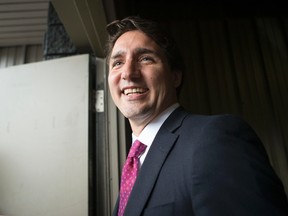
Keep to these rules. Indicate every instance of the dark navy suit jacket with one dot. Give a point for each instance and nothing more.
(206, 166)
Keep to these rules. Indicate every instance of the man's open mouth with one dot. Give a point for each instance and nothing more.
(135, 91)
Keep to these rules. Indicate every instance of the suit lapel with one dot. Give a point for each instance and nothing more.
(161, 146)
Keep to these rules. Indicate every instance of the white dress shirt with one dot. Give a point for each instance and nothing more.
(149, 132)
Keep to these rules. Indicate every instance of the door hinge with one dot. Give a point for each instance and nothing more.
(99, 101)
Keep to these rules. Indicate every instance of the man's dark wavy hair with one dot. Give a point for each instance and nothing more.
(152, 29)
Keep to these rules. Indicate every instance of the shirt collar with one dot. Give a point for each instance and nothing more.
(149, 132)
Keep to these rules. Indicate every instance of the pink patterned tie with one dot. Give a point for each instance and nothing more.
(129, 174)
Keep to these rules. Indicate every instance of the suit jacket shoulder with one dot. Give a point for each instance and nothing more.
(206, 165)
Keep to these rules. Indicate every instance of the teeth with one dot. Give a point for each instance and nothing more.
(134, 90)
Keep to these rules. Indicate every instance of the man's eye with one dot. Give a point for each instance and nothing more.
(116, 63)
(146, 58)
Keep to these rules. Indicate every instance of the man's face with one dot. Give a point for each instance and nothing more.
(140, 80)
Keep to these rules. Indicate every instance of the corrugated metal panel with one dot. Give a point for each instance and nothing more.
(23, 22)
(17, 55)
(34, 53)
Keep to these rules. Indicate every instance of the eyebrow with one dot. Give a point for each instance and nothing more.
(138, 51)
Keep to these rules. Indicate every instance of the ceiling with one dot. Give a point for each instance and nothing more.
(25, 21)
(22, 21)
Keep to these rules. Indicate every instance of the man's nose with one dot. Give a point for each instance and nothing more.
(130, 71)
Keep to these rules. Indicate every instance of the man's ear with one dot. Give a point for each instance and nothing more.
(177, 78)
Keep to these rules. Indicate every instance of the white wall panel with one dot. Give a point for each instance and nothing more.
(44, 138)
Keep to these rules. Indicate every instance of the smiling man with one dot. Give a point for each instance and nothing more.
(141, 81)
(186, 164)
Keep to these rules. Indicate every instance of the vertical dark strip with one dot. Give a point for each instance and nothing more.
(92, 142)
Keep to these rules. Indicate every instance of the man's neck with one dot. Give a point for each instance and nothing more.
(138, 125)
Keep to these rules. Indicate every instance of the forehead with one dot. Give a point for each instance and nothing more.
(134, 40)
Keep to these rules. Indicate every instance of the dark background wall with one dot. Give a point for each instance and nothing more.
(236, 55)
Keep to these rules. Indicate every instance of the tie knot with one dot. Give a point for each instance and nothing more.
(136, 149)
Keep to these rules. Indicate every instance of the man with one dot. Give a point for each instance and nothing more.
(193, 164)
